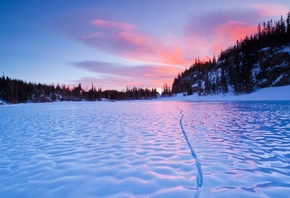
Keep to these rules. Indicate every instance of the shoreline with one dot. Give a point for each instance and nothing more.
(264, 94)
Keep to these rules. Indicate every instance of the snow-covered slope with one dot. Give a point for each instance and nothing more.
(270, 93)
(237, 71)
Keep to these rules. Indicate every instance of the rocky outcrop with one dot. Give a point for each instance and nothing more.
(274, 69)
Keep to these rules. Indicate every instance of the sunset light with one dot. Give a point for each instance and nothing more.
(113, 46)
(144, 98)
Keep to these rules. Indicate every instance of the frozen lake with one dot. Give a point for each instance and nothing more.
(143, 149)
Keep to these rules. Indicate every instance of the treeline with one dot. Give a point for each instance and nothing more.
(18, 91)
(243, 66)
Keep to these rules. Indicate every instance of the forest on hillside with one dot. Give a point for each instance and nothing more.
(259, 60)
(17, 91)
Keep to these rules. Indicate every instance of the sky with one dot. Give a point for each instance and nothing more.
(114, 44)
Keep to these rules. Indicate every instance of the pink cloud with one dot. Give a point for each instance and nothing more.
(204, 35)
(207, 22)
(111, 24)
(124, 40)
(221, 28)
(121, 75)
(269, 10)
(234, 30)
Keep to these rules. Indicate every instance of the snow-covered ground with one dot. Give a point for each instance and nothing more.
(145, 149)
(265, 94)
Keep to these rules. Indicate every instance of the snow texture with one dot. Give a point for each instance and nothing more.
(265, 94)
(94, 149)
(145, 149)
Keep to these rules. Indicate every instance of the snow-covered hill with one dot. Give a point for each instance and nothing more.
(264, 94)
(237, 72)
(258, 61)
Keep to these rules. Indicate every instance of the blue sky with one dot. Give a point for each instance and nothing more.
(114, 44)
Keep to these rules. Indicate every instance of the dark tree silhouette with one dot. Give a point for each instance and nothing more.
(234, 67)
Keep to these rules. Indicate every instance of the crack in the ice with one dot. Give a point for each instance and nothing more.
(199, 177)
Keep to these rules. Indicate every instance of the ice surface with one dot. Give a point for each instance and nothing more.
(243, 147)
(138, 149)
(95, 149)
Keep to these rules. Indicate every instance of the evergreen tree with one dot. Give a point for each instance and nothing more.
(234, 67)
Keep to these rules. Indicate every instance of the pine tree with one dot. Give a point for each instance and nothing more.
(288, 26)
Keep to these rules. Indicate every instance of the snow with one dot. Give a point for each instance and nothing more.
(286, 49)
(278, 79)
(264, 94)
(2, 102)
(93, 149)
(145, 149)
(256, 69)
(264, 49)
